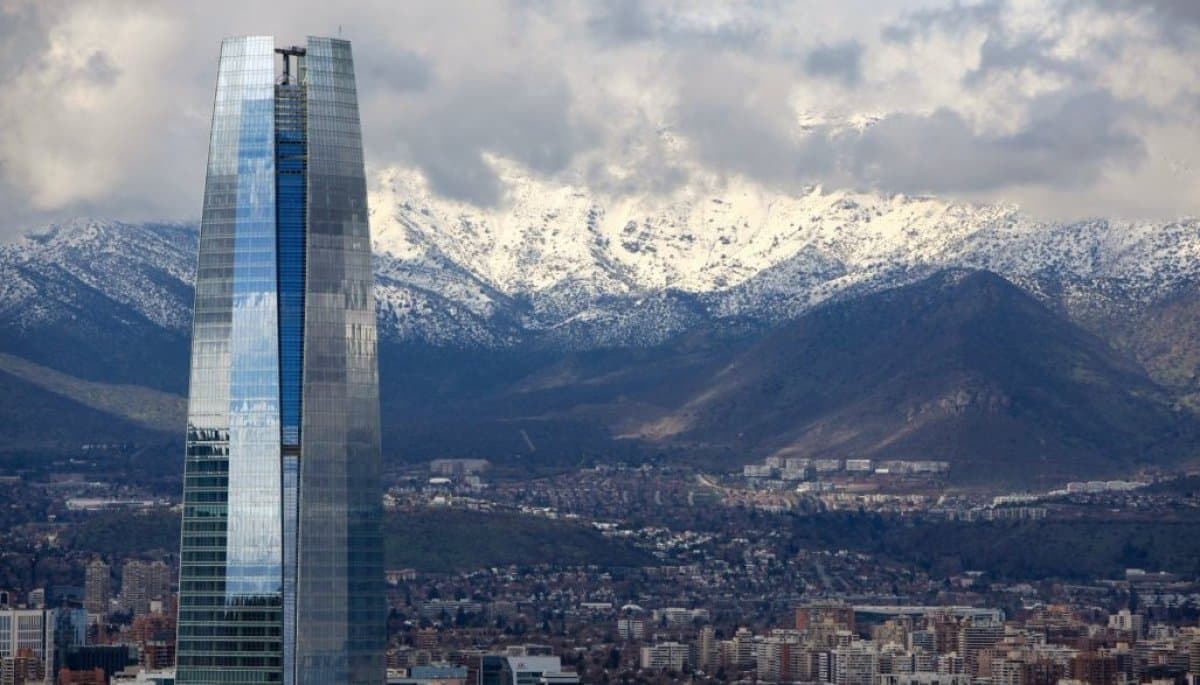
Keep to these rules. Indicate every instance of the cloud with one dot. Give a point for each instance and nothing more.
(1069, 105)
(523, 117)
(700, 28)
(955, 17)
(23, 35)
(621, 21)
(1173, 23)
(89, 120)
(1179, 19)
(739, 119)
(840, 61)
(1067, 143)
(402, 70)
(1000, 53)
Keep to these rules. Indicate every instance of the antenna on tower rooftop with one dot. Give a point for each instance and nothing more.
(288, 54)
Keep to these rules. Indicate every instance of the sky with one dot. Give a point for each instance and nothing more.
(1069, 109)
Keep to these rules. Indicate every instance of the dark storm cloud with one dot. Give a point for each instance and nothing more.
(1003, 53)
(100, 70)
(634, 21)
(524, 117)
(23, 36)
(1179, 20)
(1067, 143)
(742, 122)
(628, 96)
(840, 61)
(401, 70)
(955, 18)
(1174, 12)
(621, 21)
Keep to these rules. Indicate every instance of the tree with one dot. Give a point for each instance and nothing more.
(614, 659)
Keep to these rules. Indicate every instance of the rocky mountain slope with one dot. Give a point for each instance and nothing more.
(526, 303)
(580, 270)
(555, 266)
(101, 300)
(962, 366)
(559, 268)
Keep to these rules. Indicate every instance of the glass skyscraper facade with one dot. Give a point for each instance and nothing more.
(281, 575)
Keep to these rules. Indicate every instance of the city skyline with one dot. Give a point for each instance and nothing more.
(845, 342)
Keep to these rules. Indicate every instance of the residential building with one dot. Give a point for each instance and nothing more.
(665, 656)
(142, 583)
(97, 587)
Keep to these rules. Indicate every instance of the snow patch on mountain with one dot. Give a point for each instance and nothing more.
(604, 266)
(562, 266)
(48, 274)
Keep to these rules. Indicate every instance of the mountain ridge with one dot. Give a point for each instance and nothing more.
(449, 274)
(749, 252)
(962, 366)
(538, 304)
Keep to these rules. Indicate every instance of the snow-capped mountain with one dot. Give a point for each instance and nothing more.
(556, 265)
(579, 269)
(481, 311)
(146, 267)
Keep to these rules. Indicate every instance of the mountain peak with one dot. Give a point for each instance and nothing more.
(962, 366)
(562, 267)
(959, 307)
(744, 251)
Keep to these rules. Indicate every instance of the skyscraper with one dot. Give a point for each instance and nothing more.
(97, 587)
(282, 564)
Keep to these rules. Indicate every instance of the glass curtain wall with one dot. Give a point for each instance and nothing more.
(341, 616)
(282, 556)
(230, 567)
(291, 152)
